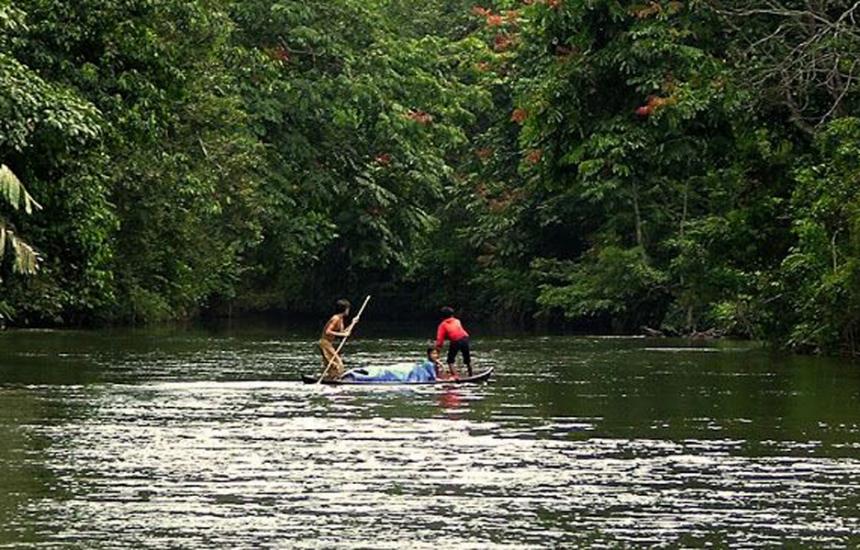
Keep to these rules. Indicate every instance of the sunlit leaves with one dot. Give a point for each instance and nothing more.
(29, 105)
(25, 258)
(610, 280)
(12, 190)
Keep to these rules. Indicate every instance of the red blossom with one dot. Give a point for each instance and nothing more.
(534, 156)
(494, 20)
(651, 9)
(383, 159)
(278, 53)
(420, 117)
(502, 42)
(643, 111)
(519, 115)
(654, 102)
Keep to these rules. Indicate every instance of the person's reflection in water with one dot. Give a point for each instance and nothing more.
(449, 401)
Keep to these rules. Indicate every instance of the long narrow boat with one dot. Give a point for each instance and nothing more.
(474, 379)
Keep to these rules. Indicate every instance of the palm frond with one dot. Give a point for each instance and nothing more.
(14, 192)
(26, 257)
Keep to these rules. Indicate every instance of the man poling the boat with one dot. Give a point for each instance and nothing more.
(452, 329)
(334, 328)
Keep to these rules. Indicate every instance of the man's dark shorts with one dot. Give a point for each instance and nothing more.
(462, 346)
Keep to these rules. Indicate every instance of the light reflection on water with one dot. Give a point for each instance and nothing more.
(598, 443)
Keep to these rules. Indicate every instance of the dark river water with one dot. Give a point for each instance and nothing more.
(196, 439)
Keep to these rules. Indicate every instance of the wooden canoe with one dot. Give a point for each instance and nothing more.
(474, 379)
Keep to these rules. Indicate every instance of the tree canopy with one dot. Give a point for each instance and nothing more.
(606, 165)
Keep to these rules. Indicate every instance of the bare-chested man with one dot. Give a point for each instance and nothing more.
(334, 328)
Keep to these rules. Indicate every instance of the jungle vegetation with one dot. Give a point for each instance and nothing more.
(608, 165)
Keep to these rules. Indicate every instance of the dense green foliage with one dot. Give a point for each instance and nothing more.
(683, 166)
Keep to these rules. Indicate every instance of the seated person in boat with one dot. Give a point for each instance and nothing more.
(426, 371)
(434, 363)
(334, 328)
(452, 329)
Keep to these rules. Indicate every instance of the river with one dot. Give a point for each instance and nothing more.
(187, 438)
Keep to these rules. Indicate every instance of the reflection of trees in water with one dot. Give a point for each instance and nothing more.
(25, 477)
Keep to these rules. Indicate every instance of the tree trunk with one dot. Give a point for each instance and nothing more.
(638, 218)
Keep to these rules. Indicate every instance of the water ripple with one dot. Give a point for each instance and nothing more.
(197, 453)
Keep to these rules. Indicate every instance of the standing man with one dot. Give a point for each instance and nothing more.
(450, 328)
(334, 328)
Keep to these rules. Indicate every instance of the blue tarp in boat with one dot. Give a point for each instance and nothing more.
(422, 372)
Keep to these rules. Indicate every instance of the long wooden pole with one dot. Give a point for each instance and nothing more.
(342, 342)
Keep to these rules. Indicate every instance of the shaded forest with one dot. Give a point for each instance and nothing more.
(605, 165)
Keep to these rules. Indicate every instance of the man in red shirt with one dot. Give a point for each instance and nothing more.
(450, 328)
